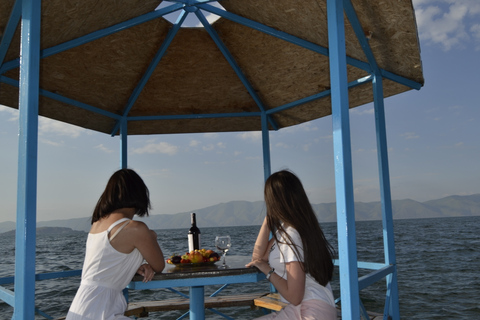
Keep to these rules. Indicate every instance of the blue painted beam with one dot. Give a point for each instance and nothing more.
(45, 276)
(196, 116)
(305, 44)
(124, 144)
(375, 276)
(8, 33)
(352, 84)
(25, 236)
(151, 67)
(57, 97)
(267, 167)
(244, 278)
(228, 56)
(385, 193)
(7, 296)
(358, 29)
(319, 95)
(97, 34)
(279, 34)
(347, 249)
(370, 265)
(402, 80)
(365, 265)
(197, 303)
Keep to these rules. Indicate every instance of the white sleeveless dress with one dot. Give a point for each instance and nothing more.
(106, 272)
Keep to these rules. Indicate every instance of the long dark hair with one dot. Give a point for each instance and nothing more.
(287, 203)
(125, 189)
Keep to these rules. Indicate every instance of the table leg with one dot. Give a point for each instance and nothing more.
(197, 303)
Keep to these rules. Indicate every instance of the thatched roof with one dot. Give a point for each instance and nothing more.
(193, 77)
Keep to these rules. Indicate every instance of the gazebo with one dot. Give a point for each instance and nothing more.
(121, 68)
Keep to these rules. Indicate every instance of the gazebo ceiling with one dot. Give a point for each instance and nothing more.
(194, 87)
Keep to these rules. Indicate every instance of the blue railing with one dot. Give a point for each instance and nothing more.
(379, 272)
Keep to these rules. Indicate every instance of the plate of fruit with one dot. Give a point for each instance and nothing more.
(200, 257)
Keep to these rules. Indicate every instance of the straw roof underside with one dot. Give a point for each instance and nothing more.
(194, 77)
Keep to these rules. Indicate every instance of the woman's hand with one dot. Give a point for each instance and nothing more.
(261, 265)
(146, 271)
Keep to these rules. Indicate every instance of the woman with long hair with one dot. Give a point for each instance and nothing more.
(116, 248)
(297, 259)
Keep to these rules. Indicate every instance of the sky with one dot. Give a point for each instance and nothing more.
(432, 137)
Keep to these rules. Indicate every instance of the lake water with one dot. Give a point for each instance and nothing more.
(438, 267)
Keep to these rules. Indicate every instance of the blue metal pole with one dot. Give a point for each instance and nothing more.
(347, 250)
(124, 144)
(267, 170)
(27, 162)
(197, 303)
(386, 200)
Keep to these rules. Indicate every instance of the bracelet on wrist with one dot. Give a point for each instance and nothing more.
(270, 273)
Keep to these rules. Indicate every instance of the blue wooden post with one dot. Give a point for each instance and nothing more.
(392, 302)
(266, 147)
(347, 248)
(123, 144)
(27, 162)
(197, 303)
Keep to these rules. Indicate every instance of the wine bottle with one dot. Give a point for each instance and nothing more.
(193, 235)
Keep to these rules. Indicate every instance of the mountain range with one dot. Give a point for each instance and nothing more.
(244, 213)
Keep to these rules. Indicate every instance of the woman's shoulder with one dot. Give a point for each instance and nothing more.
(292, 234)
(292, 231)
(136, 225)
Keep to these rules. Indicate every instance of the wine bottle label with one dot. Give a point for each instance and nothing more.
(192, 244)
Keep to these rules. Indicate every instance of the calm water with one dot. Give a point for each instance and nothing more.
(438, 267)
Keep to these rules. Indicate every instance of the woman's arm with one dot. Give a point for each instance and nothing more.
(261, 244)
(292, 289)
(145, 240)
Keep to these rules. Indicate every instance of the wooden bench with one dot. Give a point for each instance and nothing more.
(142, 308)
(270, 301)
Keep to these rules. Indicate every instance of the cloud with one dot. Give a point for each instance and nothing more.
(13, 112)
(49, 126)
(303, 127)
(475, 30)
(160, 147)
(52, 143)
(194, 143)
(362, 111)
(101, 147)
(448, 23)
(250, 135)
(282, 145)
(208, 147)
(410, 135)
(210, 135)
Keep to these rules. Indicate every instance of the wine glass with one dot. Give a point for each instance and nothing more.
(223, 243)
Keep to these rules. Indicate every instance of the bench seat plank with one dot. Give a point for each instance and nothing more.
(135, 308)
(270, 301)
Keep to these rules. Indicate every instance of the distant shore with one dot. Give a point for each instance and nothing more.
(47, 230)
